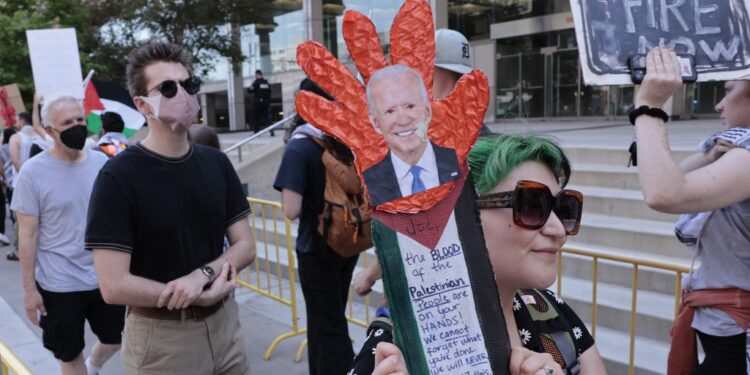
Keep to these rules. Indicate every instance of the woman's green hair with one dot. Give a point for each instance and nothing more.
(492, 158)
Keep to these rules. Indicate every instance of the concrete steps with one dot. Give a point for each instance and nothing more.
(609, 155)
(617, 221)
(637, 237)
(619, 202)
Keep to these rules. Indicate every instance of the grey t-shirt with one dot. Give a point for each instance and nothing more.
(58, 193)
(720, 238)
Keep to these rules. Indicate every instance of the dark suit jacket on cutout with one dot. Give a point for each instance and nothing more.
(382, 182)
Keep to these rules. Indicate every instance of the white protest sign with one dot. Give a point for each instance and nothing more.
(55, 62)
(715, 33)
(443, 305)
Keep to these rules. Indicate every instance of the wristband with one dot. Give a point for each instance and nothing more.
(648, 111)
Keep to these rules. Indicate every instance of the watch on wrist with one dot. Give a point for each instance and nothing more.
(648, 111)
(208, 271)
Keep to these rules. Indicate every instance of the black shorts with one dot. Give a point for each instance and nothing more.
(724, 354)
(63, 327)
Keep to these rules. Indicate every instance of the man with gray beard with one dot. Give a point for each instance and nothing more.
(399, 110)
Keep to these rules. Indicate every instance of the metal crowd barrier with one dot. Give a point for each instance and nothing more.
(269, 279)
(10, 364)
(267, 216)
(272, 285)
(636, 264)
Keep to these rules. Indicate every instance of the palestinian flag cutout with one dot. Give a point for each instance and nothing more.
(447, 314)
(103, 97)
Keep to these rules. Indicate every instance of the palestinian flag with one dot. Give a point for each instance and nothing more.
(103, 97)
(441, 288)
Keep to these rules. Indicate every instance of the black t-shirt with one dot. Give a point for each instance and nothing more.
(262, 90)
(170, 214)
(302, 171)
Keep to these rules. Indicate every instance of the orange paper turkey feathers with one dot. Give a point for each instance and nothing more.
(456, 120)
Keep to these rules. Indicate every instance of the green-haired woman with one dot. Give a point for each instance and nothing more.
(526, 217)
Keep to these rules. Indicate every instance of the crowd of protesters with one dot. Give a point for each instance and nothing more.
(143, 241)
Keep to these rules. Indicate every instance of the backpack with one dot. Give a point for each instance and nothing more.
(345, 222)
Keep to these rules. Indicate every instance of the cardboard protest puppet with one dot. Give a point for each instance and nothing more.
(715, 35)
(436, 270)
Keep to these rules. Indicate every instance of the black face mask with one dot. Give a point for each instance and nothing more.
(74, 137)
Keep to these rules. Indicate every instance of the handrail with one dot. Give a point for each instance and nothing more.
(9, 361)
(636, 264)
(238, 145)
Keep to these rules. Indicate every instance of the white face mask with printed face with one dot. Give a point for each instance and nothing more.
(176, 112)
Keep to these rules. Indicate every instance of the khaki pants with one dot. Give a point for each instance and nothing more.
(162, 347)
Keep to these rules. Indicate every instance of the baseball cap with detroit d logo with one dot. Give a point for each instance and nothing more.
(452, 51)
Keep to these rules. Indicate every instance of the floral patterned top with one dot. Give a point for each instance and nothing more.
(539, 313)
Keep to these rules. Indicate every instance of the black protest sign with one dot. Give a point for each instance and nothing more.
(716, 33)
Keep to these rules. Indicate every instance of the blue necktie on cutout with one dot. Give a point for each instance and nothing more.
(416, 184)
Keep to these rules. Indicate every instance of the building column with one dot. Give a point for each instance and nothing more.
(313, 20)
(235, 89)
(440, 13)
(483, 54)
(208, 110)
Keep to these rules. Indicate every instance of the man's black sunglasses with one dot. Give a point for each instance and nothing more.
(168, 88)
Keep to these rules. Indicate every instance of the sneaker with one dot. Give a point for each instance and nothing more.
(4, 240)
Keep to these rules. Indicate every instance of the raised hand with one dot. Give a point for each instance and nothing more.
(662, 78)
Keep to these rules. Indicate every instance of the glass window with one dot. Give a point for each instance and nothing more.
(271, 46)
(380, 12)
(703, 97)
(537, 85)
(474, 17)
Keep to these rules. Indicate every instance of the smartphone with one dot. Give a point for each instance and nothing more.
(637, 64)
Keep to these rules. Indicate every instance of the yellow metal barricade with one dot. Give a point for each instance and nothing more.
(269, 279)
(636, 264)
(264, 221)
(10, 364)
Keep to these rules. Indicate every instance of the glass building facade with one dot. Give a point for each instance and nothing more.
(534, 75)
(538, 75)
(380, 12)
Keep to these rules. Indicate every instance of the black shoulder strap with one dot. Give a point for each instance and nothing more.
(564, 342)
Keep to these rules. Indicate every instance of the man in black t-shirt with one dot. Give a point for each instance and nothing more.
(262, 98)
(324, 275)
(157, 219)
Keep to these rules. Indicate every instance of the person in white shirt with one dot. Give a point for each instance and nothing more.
(399, 109)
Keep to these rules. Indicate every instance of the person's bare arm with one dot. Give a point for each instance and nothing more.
(14, 147)
(36, 119)
(591, 362)
(291, 203)
(118, 285)
(365, 279)
(665, 186)
(701, 160)
(28, 240)
(188, 289)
